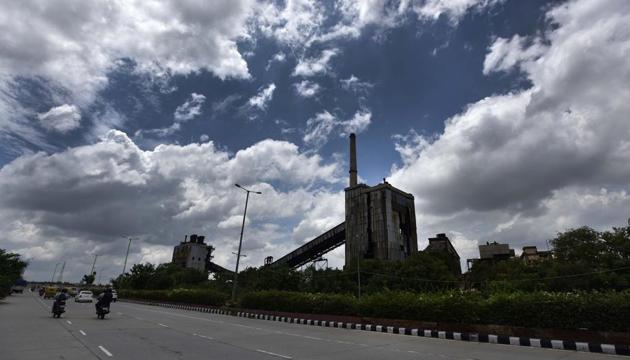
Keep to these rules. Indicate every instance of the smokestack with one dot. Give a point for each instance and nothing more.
(353, 160)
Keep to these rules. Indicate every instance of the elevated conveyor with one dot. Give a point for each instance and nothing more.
(315, 248)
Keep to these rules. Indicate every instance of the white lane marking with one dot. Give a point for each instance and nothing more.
(274, 354)
(82, 332)
(105, 351)
(69, 322)
(163, 325)
(205, 337)
(119, 313)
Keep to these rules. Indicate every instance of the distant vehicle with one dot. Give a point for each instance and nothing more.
(114, 296)
(50, 292)
(73, 291)
(19, 286)
(84, 296)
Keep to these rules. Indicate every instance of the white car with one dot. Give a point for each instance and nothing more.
(114, 296)
(84, 296)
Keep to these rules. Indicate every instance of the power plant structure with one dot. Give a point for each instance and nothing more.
(380, 224)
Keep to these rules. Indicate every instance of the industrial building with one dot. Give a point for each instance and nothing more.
(441, 244)
(380, 224)
(380, 219)
(193, 253)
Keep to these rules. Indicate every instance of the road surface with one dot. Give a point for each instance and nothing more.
(132, 331)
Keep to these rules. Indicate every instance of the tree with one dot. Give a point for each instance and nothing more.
(88, 279)
(11, 270)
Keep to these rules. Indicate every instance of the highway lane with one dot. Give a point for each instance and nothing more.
(135, 331)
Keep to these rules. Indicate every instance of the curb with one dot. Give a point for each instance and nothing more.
(447, 335)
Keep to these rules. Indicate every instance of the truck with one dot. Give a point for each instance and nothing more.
(19, 286)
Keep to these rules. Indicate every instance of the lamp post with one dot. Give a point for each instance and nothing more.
(240, 242)
(127, 256)
(52, 279)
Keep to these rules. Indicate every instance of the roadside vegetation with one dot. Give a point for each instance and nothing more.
(585, 285)
(11, 270)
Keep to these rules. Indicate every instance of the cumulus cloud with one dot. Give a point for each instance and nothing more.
(319, 127)
(85, 198)
(190, 109)
(315, 66)
(48, 43)
(307, 88)
(530, 161)
(505, 54)
(63, 118)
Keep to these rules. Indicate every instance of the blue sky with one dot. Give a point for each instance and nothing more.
(136, 120)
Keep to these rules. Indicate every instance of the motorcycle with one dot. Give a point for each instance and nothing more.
(101, 311)
(59, 307)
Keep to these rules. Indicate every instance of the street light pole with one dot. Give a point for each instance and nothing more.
(126, 257)
(52, 279)
(240, 242)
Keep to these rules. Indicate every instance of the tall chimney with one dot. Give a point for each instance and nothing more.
(353, 160)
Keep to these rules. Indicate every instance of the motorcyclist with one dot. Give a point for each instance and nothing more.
(60, 299)
(104, 299)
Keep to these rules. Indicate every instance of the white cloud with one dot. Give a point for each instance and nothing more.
(190, 109)
(48, 42)
(63, 118)
(519, 167)
(355, 85)
(505, 54)
(258, 102)
(204, 138)
(452, 9)
(84, 199)
(315, 66)
(306, 88)
(277, 58)
(319, 127)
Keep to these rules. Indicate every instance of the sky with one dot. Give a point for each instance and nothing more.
(507, 120)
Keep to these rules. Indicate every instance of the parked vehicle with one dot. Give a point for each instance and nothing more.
(114, 296)
(84, 296)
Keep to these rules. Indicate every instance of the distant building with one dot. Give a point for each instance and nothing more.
(492, 252)
(193, 254)
(441, 244)
(531, 255)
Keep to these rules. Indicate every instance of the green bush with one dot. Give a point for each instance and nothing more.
(190, 296)
(592, 310)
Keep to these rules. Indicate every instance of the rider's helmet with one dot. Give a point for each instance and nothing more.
(108, 290)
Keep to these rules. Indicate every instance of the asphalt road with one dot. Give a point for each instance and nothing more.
(131, 331)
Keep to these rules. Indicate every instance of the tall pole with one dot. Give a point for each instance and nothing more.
(358, 269)
(52, 279)
(126, 257)
(240, 242)
(61, 272)
(93, 264)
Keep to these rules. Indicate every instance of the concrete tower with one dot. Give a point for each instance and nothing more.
(380, 220)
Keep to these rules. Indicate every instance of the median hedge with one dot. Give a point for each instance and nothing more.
(190, 296)
(608, 311)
